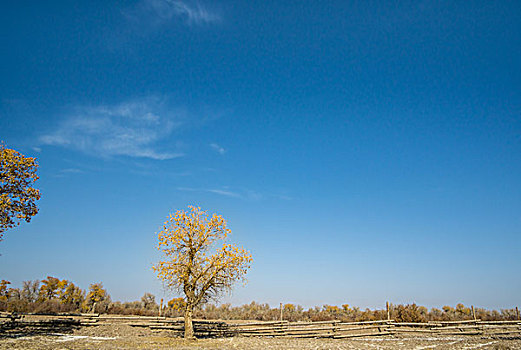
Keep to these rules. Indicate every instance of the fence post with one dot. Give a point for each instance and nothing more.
(473, 312)
(281, 312)
(388, 311)
(160, 307)
(517, 313)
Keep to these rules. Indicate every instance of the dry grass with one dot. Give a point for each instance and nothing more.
(113, 337)
(165, 342)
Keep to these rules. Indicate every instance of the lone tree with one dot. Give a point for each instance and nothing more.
(194, 263)
(17, 196)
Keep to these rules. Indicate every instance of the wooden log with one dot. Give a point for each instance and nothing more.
(249, 335)
(429, 324)
(259, 329)
(357, 328)
(290, 330)
(11, 317)
(59, 321)
(364, 322)
(415, 324)
(310, 327)
(436, 329)
(47, 317)
(457, 327)
(128, 317)
(330, 334)
(506, 326)
(256, 323)
(291, 324)
(206, 321)
(452, 322)
(309, 335)
(169, 321)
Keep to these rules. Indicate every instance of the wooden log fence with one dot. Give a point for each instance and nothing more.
(18, 325)
(29, 323)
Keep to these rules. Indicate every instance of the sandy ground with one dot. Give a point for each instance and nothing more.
(124, 337)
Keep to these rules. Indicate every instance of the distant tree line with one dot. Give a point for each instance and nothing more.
(52, 295)
(399, 313)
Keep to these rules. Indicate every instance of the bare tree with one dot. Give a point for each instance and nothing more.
(30, 290)
(148, 301)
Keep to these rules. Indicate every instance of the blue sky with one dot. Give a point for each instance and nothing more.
(362, 151)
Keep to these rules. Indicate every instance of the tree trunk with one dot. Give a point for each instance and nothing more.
(189, 328)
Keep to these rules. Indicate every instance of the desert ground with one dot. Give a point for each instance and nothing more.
(125, 337)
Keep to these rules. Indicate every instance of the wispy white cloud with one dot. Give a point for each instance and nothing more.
(68, 171)
(221, 192)
(242, 194)
(225, 193)
(131, 129)
(218, 148)
(164, 11)
(71, 171)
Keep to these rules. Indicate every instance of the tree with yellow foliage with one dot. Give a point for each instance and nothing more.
(195, 266)
(70, 294)
(17, 196)
(4, 290)
(97, 298)
(50, 288)
(177, 304)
